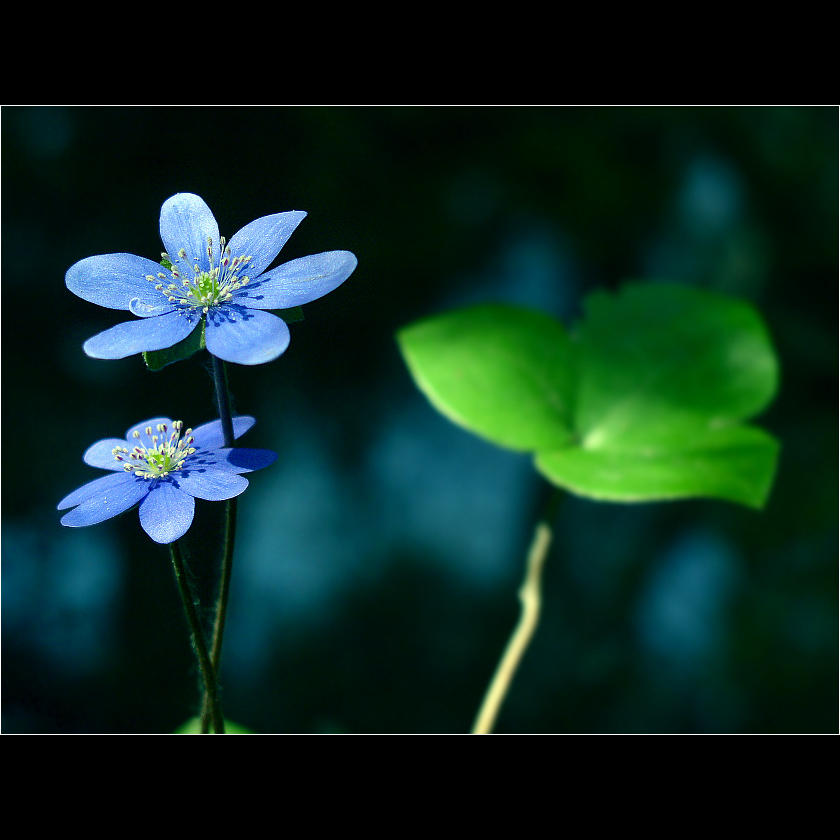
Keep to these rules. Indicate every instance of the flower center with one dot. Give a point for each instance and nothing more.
(205, 289)
(165, 452)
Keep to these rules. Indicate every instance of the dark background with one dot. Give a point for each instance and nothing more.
(378, 560)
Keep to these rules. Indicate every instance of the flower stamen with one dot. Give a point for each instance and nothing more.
(205, 289)
(162, 455)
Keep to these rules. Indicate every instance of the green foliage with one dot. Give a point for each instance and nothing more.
(644, 401)
(193, 727)
(291, 315)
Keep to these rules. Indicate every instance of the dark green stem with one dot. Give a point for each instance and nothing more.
(221, 606)
(225, 415)
(208, 675)
(223, 399)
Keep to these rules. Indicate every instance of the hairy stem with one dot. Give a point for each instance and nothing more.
(226, 416)
(530, 596)
(223, 399)
(208, 675)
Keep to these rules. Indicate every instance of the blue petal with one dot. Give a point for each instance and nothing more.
(210, 436)
(211, 484)
(263, 238)
(245, 336)
(101, 454)
(113, 280)
(299, 281)
(94, 489)
(243, 460)
(186, 222)
(167, 512)
(103, 498)
(147, 310)
(136, 336)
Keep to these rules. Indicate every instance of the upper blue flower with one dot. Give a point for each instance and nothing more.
(165, 472)
(225, 282)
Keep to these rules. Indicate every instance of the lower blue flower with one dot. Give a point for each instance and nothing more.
(164, 469)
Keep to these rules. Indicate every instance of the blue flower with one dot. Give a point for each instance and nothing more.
(164, 471)
(226, 283)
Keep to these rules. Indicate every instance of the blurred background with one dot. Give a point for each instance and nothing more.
(378, 560)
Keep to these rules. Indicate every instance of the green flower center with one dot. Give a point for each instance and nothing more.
(164, 453)
(205, 289)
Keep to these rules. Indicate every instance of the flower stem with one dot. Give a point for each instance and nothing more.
(208, 675)
(530, 596)
(223, 399)
(226, 417)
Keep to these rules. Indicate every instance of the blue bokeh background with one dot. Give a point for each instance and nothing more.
(378, 560)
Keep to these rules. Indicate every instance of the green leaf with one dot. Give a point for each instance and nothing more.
(159, 359)
(645, 402)
(290, 316)
(496, 370)
(193, 727)
(736, 464)
(657, 359)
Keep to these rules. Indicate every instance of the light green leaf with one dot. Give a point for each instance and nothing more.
(656, 360)
(499, 371)
(646, 402)
(193, 727)
(736, 464)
